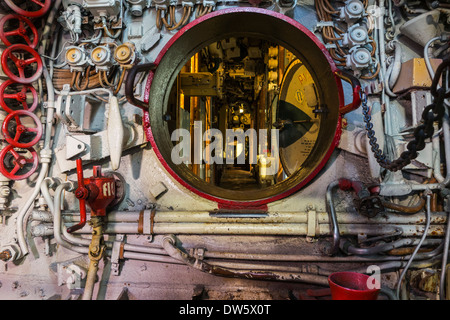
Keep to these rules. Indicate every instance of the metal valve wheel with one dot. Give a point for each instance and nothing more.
(17, 68)
(18, 164)
(24, 29)
(9, 100)
(29, 8)
(19, 135)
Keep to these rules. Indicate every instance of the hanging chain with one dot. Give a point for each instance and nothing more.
(433, 112)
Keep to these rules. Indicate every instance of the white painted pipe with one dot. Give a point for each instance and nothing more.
(272, 218)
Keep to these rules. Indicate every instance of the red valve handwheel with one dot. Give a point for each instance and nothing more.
(21, 129)
(20, 167)
(25, 29)
(18, 73)
(40, 7)
(19, 97)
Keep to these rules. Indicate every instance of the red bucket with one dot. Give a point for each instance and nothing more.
(352, 286)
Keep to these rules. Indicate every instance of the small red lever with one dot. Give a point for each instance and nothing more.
(82, 194)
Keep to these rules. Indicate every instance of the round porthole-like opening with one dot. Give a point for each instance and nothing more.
(244, 106)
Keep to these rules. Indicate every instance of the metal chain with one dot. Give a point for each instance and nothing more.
(433, 112)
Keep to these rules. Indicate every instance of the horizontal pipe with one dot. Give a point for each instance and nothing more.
(267, 229)
(274, 218)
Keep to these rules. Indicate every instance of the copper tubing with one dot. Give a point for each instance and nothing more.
(328, 7)
(188, 16)
(373, 75)
(64, 76)
(78, 85)
(405, 209)
(170, 15)
(202, 10)
(158, 19)
(179, 23)
(122, 77)
(104, 78)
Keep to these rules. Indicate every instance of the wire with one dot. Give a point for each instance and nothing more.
(425, 232)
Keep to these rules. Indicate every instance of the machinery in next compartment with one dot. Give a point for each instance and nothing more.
(261, 149)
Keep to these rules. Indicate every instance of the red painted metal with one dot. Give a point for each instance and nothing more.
(262, 202)
(20, 97)
(19, 161)
(21, 129)
(352, 286)
(41, 5)
(26, 30)
(9, 56)
(81, 193)
(98, 191)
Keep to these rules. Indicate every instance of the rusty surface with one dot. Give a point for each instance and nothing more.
(406, 209)
(141, 222)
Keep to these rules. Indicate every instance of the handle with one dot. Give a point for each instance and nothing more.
(129, 84)
(356, 85)
(115, 133)
(81, 193)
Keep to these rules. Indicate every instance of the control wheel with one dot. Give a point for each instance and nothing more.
(18, 164)
(17, 133)
(29, 8)
(21, 63)
(21, 28)
(14, 96)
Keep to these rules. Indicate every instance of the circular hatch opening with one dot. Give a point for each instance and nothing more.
(244, 106)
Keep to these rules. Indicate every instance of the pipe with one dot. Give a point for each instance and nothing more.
(21, 218)
(405, 209)
(347, 247)
(193, 217)
(176, 253)
(57, 221)
(97, 250)
(445, 256)
(402, 275)
(396, 65)
(51, 205)
(336, 235)
(382, 56)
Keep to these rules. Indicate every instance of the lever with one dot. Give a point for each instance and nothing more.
(115, 133)
(82, 194)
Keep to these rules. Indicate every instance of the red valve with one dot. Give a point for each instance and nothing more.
(98, 191)
(15, 165)
(25, 29)
(21, 130)
(7, 100)
(16, 68)
(35, 8)
(81, 193)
